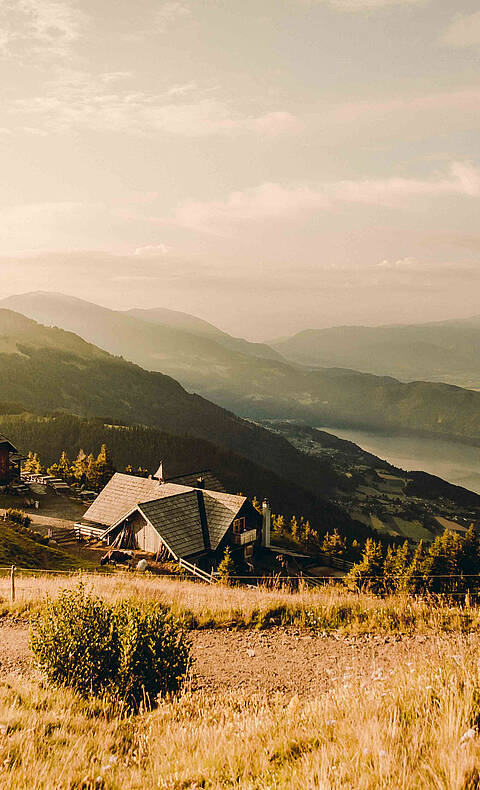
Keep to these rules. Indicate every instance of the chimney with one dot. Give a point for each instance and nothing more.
(200, 482)
(159, 474)
(266, 524)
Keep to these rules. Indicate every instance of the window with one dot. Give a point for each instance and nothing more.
(238, 526)
(248, 552)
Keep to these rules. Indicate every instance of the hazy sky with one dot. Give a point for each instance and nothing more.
(266, 164)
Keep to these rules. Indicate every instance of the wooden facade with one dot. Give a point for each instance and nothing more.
(9, 461)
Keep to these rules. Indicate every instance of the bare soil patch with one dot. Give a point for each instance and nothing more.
(276, 661)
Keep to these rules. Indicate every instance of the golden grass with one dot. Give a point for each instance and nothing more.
(204, 606)
(402, 731)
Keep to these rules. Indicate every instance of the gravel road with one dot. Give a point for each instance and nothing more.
(278, 660)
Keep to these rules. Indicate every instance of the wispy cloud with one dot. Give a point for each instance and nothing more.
(170, 12)
(362, 5)
(46, 27)
(276, 201)
(79, 101)
(152, 250)
(463, 31)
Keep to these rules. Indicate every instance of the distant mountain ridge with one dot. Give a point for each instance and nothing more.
(190, 323)
(446, 351)
(49, 371)
(260, 388)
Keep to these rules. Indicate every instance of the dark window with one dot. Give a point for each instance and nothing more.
(238, 526)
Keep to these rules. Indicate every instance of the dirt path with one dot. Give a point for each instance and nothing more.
(275, 661)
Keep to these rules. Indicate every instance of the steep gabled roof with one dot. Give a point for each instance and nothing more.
(220, 510)
(177, 520)
(173, 510)
(4, 441)
(122, 493)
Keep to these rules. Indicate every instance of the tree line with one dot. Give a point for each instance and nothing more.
(450, 564)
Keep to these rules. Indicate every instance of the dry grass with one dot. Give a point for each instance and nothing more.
(402, 732)
(202, 606)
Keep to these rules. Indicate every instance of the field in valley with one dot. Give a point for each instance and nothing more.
(308, 689)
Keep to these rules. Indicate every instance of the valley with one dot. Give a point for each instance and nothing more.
(254, 381)
(401, 502)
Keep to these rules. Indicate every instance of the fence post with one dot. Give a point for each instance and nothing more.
(12, 584)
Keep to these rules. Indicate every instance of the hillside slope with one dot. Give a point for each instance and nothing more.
(252, 387)
(46, 377)
(18, 548)
(446, 351)
(190, 323)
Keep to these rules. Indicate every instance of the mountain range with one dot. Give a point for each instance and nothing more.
(259, 384)
(48, 373)
(447, 351)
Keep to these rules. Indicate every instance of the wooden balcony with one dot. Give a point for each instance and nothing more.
(242, 538)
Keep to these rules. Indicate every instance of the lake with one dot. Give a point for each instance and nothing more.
(455, 462)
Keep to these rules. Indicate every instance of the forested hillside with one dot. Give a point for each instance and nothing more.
(248, 385)
(145, 447)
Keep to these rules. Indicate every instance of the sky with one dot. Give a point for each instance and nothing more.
(268, 165)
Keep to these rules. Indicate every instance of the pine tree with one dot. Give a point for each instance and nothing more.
(256, 504)
(278, 523)
(294, 528)
(79, 467)
(226, 569)
(415, 573)
(395, 567)
(368, 573)
(64, 466)
(333, 544)
(105, 468)
(92, 475)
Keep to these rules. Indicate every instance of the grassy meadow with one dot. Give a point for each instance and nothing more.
(329, 608)
(414, 729)
(414, 726)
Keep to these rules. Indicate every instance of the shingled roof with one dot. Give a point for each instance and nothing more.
(220, 510)
(122, 493)
(175, 511)
(177, 520)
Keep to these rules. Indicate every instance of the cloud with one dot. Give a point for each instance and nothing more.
(170, 12)
(152, 250)
(463, 31)
(272, 201)
(362, 5)
(77, 100)
(45, 27)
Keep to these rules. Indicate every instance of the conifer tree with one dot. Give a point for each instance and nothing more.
(226, 569)
(368, 573)
(333, 544)
(92, 472)
(278, 523)
(79, 467)
(105, 468)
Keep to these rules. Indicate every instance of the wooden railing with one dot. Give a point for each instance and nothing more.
(86, 531)
(242, 538)
(196, 571)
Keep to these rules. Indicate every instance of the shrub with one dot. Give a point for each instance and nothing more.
(75, 642)
(18, 517)
(154, 654)
(129, 653)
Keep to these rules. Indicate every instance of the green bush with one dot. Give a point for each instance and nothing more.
(75, 642)
(129, 653)
(18, 517)
(154, 653)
